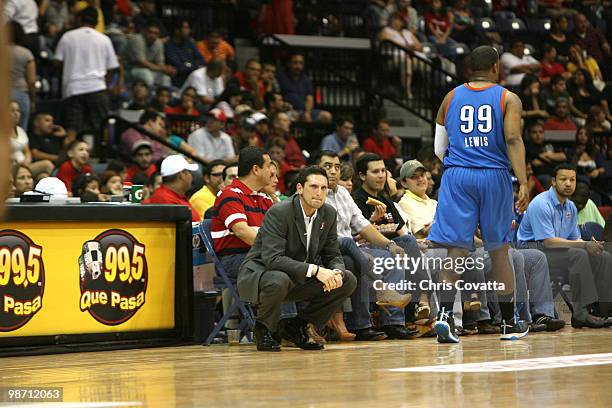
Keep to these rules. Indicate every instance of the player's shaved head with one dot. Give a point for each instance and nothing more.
(483, 58)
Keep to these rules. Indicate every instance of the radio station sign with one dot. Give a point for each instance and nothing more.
(86, 277)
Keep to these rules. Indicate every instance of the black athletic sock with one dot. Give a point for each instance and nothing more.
(507, 309)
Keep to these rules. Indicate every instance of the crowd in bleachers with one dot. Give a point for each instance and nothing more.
(194, 96)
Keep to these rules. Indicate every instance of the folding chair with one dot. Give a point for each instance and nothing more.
(224, 281)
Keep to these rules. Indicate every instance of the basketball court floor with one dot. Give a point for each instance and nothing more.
(570, 368)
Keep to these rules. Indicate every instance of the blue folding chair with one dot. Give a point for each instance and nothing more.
(224, 281)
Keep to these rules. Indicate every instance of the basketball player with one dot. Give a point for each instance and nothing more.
(478, 137)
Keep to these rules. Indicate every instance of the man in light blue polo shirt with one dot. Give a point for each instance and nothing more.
(551, 222)
(342, 141)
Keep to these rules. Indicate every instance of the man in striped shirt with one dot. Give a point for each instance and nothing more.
(240, 207)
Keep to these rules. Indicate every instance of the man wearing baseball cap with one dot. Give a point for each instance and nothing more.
(176, 181)
(415, 202)
(211, 142)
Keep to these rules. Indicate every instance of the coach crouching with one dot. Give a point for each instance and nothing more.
(296, 257)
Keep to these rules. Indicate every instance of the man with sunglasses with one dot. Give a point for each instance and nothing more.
(204, 198)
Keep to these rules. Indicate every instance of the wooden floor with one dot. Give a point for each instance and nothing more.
(348, 374)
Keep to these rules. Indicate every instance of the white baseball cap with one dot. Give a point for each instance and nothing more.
(53, 186)
(175, 164)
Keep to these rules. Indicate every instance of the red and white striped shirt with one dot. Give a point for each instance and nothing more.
(236, 203)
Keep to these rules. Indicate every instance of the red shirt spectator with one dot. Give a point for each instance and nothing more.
(179, 110)
(68, 173)
(556, 124)
(134, 170)
(246, 86)
(165, 195)
(236, 203)
(293, 153)
(384, 149)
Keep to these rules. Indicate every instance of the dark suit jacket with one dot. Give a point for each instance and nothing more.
(281, 245)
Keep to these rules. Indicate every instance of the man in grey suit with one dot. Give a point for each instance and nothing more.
(296, 257)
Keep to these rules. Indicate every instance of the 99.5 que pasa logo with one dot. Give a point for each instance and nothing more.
(113, 276)
(22, 279)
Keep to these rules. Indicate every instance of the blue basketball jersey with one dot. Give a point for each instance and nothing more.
(475, 127)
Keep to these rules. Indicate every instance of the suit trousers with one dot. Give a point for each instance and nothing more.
(276, 287)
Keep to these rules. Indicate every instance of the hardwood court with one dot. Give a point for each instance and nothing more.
(349, 374)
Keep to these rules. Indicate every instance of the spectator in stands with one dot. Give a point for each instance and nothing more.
(281, 128)
(589, 162)
(187, 105)
(111, 183)
(578, 60)
(177, 142)
(249, 81)
(181, 52)
(211, 142)
(207, 82)
(274, 102)
(350, 222)
(382, 143)
(20, 144)
(583, 93)
(23, 73)
(557, 89)
(47, 139)
(535, 187)
(204, 198)
(23, 180)
(554, 8)
(404, 10)
(142, 157)
(396, 33)
(151, 185)
(559, 39)
(152, 122)
(144, 57)
(533, 100)
(161, 99)
(215, 47)
(551, 219)
(516, 64)
(372, 175)
(439, 23)
(598, 126)
(346, 176)
(25, 13)
(86, 57)
(176, 182)
(591, 40)
(268, 76)
(343, 141)
(77, 163)
(277, 154)
(561, 120)
(147, 12)
(587, 210)
(87, 187)
(246, 133)
(240, 209)
(230, 172)
(543, 157)
(374, 16)
(417, 205)
(297, 89)
(549, 65)
(463, 23)
(140, 96)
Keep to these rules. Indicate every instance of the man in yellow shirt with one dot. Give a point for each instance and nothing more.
(419, 208)
(204, 198)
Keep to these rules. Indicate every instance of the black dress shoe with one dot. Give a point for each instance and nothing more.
(591, 321)
(296, 332)
(264, 339)
(399, 332)
(551, 323)
(369, 334)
